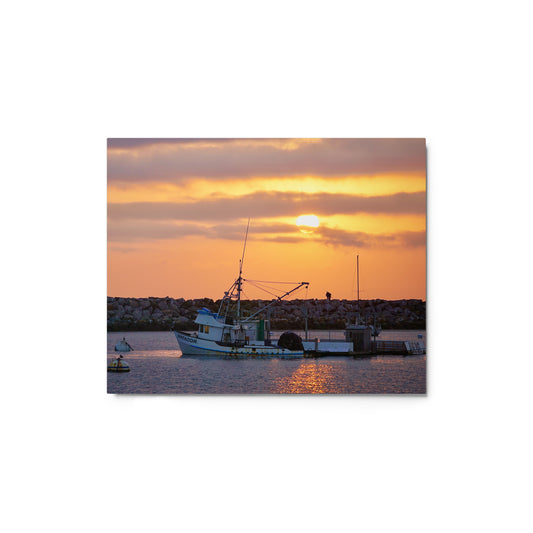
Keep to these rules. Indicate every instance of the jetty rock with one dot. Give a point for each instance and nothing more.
(163, 314)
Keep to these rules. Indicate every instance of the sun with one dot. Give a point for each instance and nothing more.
(307, 223)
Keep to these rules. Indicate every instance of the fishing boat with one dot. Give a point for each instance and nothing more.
(228, 332)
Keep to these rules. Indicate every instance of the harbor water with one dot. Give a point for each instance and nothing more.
(157, 367)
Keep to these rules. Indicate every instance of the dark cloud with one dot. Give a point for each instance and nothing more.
(407, 239)
(271, 204)
(119, 247)
(135, 143)
(356, 239)
(141, 230)
(130, 232)
(178, 160)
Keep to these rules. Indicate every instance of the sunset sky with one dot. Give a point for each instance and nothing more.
(178, 210)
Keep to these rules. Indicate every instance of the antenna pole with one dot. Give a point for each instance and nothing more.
(357, 281)
(239, 279)
(245, 239)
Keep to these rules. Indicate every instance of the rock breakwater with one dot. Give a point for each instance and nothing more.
(160, 314)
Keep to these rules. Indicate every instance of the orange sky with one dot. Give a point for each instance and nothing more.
(178, 209)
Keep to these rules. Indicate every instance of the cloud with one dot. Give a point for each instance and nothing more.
(356, 239)
(141, 230)
(406, 239)
(179, 160)
(136, 143)
(121, 248)
(270, 204)
(129, 232)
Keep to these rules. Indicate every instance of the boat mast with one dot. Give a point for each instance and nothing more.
(239, 279)
(358, 315)
(358, 282)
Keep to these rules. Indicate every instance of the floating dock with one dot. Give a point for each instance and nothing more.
(325, 348)
(398, 347)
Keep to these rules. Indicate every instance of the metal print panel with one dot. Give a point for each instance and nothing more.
(266, 266)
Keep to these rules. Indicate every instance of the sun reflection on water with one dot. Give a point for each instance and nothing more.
(308, 379)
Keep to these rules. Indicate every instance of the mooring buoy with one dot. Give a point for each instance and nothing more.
(118, 365)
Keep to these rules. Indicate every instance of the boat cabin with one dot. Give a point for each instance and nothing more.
(213, 327)
(360, 337)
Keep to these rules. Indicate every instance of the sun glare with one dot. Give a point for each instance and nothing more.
(307, 223)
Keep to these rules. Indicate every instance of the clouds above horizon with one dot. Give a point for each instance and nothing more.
(213, 215)
(140, 231)
(263, 204)
(179, 160)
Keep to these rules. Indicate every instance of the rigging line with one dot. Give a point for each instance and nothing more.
(293, 292)
(279, 298)
(280, 282)
(264, 290)
(228, 295)
(264, 287)
(299, 289)
(230, 291)
(268, 289)
(264, 284)
(280, 290)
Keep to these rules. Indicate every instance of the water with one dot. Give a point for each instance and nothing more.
(158, 368)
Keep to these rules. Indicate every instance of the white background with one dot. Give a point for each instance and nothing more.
(77, 459)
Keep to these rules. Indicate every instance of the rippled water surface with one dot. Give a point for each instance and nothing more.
(158, 368)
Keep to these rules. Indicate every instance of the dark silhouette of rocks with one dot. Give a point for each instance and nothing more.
(160, 314)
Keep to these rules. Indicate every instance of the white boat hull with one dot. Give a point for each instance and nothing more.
(190, 345)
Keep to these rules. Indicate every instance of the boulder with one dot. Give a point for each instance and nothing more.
(154, 313)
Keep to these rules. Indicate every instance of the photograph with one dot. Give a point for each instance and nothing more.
(242, 266)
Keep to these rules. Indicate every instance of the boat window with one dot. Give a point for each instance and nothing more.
(201, 328)
(206, 329)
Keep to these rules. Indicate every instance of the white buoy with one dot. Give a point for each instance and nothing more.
(123, 346)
